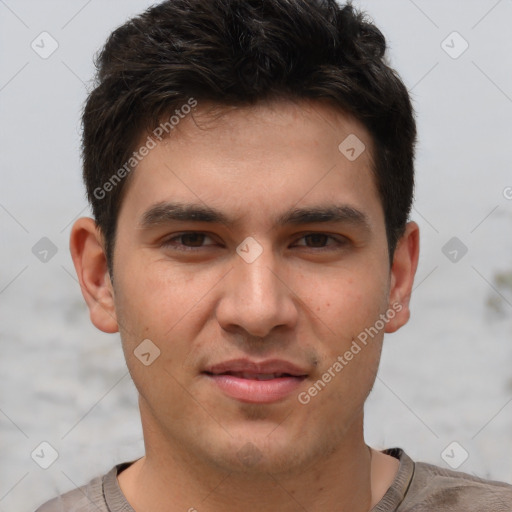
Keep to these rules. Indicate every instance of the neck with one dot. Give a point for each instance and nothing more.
(170, 478)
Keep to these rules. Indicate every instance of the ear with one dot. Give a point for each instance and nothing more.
(86, 246)
(405, 263)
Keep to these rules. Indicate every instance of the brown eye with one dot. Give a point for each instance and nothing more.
(319, 241)
(195, 239)
(187, 241)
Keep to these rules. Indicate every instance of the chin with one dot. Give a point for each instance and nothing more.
(258, 454)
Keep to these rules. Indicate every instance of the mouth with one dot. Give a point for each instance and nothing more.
(251, 382)
(256, 376)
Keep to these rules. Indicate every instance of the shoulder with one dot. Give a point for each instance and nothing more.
(87, 498)
(436, 488)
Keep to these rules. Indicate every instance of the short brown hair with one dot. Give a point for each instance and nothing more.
(236, 53)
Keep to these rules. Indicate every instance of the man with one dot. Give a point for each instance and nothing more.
(250, 169)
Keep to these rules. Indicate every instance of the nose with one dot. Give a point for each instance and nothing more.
(258, 296)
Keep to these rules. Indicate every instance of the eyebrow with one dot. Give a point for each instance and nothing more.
(167, 212)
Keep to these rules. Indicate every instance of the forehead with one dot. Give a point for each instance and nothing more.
(258, 161)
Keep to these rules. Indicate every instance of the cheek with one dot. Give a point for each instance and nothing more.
(348, 304)
(166, 307)
(152, 298)
(349, 327)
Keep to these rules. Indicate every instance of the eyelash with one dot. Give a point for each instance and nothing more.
(168, 243)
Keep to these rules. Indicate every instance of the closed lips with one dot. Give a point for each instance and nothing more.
(263, 370)
(257, 376)
(259, 382)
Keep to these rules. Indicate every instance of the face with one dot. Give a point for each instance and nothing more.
(254, 310)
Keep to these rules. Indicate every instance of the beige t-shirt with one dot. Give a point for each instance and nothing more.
(417, 487)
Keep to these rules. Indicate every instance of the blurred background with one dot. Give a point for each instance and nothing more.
(444, 388)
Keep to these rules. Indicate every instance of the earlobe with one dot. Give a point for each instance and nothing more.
(405, 263)
(90, 263)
